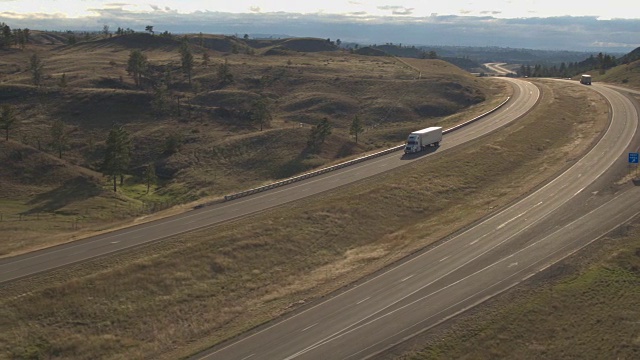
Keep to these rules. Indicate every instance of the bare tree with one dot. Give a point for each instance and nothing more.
(7, 119)
(150, 175)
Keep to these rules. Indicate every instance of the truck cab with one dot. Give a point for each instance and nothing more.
(413, 144)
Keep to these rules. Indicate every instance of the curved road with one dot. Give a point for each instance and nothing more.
(498, 68)
(496, 254)
(524, 98)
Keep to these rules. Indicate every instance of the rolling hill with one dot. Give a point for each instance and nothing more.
(200, 137)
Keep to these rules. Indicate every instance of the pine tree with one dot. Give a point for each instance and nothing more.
(187, 60)
(260, 113)
(58, 137)
(117, 155)
(224, 75)
(356, 127)
(137, 65)
(318, 134)
(36, 68)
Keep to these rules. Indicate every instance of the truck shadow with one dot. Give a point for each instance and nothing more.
(422, 153)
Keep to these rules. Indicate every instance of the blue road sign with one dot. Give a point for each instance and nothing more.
(633, 158)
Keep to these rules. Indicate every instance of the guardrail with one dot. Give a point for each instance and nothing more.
(348, 163)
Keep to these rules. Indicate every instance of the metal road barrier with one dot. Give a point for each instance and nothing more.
(347, 163)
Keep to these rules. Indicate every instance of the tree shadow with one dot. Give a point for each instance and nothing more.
(301, 163)
(77, 189)
(347, 149)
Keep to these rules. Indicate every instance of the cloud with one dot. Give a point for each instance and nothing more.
(33, 17)
(492, 12)
(390, 8)
(397, 10)
(403, 12)
(398, 26)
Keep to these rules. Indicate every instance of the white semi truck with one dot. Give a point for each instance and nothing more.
(585, 79)
(419, 140)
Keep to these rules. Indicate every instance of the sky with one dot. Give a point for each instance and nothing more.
(609, 9)
(537, 24)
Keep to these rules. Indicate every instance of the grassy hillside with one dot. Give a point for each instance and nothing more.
(200, 136)
(626, 75)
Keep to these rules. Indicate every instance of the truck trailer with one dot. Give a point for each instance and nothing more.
(585, 79)
(419, 140)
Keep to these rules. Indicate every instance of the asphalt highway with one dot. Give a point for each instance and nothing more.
(555, 221)
(498, 68)
(524, 98)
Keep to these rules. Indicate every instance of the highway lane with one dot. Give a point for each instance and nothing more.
(548, 225)
(498, 68)
(524, 98)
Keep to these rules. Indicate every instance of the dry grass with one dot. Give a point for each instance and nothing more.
(222, 151)
(178, 296)
(626, 75)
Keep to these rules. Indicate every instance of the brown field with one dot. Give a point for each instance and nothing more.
(45, 200)
(173, 298)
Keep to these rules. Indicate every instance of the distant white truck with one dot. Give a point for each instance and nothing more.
(585, 79)
(419, 140)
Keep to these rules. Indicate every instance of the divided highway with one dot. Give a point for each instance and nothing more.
(496, 254)
(524, 98)
(498, 68)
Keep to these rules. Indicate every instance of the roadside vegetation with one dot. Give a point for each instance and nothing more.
(173, 298)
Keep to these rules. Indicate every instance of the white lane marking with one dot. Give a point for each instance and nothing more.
(407, 278)
(512, 264)
(115, 242)
(554, 181)
(478, 239)
(245, 358)
(514, 218)
(353, 327)
(444, 258)
(309, 327)
(578, 192)
(510, 220)
(363, 300)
